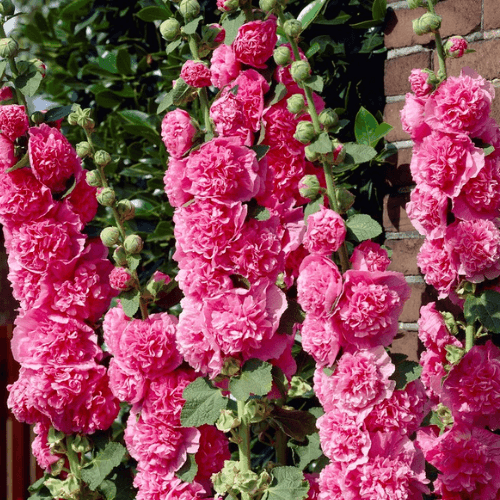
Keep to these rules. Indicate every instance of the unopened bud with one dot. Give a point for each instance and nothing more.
(311, 155)
(309, 187)
(427, 23)
(189, 9)
(300, 71)
(229, 5)
(37, 117)
(231, 367)
(304, 132)
(110, 236)
(268, 5)
(126, 210)
(8, 48)
(73, 119)
(293, 28)
(7, 8)
(455, 47)
(106, 197)
(170, 29)
(282, 55)
(39, 66)
(133, 244)
(94, 178)
(414, 4)
(338, 152)
(83, 149)
(102, 158)
(295, 104)
(328, 118)
(120, 256)
(227, 420)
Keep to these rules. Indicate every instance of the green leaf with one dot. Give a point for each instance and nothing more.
(309, 13)
(130, 301)
(379, 8)
(74, 8)
(203, 403)
(164, 231)
(322, 145)
(3, 67)
(363, 227)
(358, 153)
(315, 82)
(55, 114)
(96, 471)
(363, 25)
(293, 314)
(313, 207)
(485, 309)
(119, 485)
(255, 379)
(232, 24)
(23, 162)
(340, 19)
(173, 45)
(288, 483)
(279, 93)
(365, 125)
(382, 130)
(189, 470)
(260, 150)
(153, 13)
(28, 84)
(345, 199)
(135, 117)
(294, 423)
(123, 62)
(191, 27)
(166, 102)
(406, 372)
(307, 452)
(180, 91)
(263, 214)
(108, 63)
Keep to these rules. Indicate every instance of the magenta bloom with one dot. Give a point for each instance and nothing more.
(369, 256)
(255, 42)
(120, 279)
(13, 121)
(412, 118)
(224, 67)
(177, 132)
(196, 74)
(418, 82)
(325, 232)
(176, 182)
(320, 339)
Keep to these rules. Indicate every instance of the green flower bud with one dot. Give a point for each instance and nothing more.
(293, 28)
(189, 9)
(170, 29)
(8, 48)
(454, 353)
(304, 132)
(427, 23)
(83, 149)
(256, 411)
(81, 117)
(268, 5)
(7, 8)
(39, 66)
(455, 47)
(120, 256)
(133, 244)
(227, 420)
(298, 386)
(282, 55)
(106, 197)
(309, 187)
(230, 5)
(414, 4)
(110, 236)
(94, 178)
(328, 118)
(444, 414)
(73, 119)
(231, 367)
(300, 71)
(311, 155)
(225, 479)
(126, 210)
(295, 103)
(102, 158)
(247, 481)
(37, 117)
(338, 152)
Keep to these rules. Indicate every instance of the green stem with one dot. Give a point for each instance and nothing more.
(291, 41)
(73, 459)
(205, 108)
(469, 337)
(439, 46)
(243, 443)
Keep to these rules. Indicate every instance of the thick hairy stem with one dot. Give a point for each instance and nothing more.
(469, 337)
(439, 47)
(243, 443)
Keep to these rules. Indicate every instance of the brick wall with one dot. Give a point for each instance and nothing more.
(479, 22)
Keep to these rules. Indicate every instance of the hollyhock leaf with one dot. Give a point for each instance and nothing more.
(379, 8)
(23, 162)
(203, 404)
(153, 13)
(133, 262)
(131, 301)
(309, 13)
(67, 489)
(173, 45)
(406, 372)
(28, 84)
(190, 28)
(313, 207)
(279, 93)
(255, 378)
(294, 423)
(315, 83)
(166, 102)
(263, 214)
(364, 126)
(180, 91)
(322, 144)
(231, 24)
(363, 227)
(358, 153)
(307, 452)
(288, 482)
(312, 50)
(293, 314)
(189, 470)
(485, 309)
(119, 485)
(342, 18)
(345, 199)
(134, 117)
(55, 114)
(260, 151)
(104, 462)
(73, 8)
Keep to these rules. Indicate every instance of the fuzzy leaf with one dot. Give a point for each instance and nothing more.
(190, 28)
(55, 114)
(294, 423)
(96, 471)
(322, 144)
(363, 227)
(189, 470)
(255, 378)
(358, 153)
(153, 13)
(232, 24)
(365, 125)
(309, 13)
(260, 150)
(279, 93)
(485, 309)
(307, 452)
(130, 301)
(406, 372)
(166, 102)
(315, 82)
(288, 483)
(313, 207)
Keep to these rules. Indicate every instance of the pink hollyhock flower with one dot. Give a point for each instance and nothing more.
(418, 82)
(432, 374)
(427, 210)
(468, 459)
(477, 245)
(155, 482)
(115, 322)
(319, 285)
(255, 41)
(13, 121)
(224, 169)
(207, 227)
(82, 200)
(120, 279)
(320, 339)
(480, 196)
(40, 447)
(7, 158)
(126, 384)
(460, 105)
(22, 198)
(472, 389)
(359, 382)
(282, 73)
(332, 482)
(26, 285)
(439, 263)
(52, 158)
(224, 67)
(369, 256)
(148, 346)
(368, 310)
(20, 400)
(432, 330)
(280, 127)
(343, 439)
(446, 162)
(6, 94)
(229, 118)
(412, 118)
(325, 232)
(178, 132)
(196, 74)
(456, 46)
(40, 340)
(176, 183)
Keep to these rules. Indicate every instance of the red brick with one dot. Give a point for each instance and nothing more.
(460, 17)
(407, 343)
(394, 215)
(397, 171)
(485, 61)
(404, 255)
(391, 116)
(495, 108)
(419, 295)
(398, 70)
(491, 14)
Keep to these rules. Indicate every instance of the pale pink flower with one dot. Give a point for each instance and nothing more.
(432, 330)
(412, 118)
(418, 82)
(115, 322)
(178, 132)
(332, 482)
(369, 256)
(7, 158)
(325, 232)
(13, 121)
(176, 183)
(126, 384)
(280, 127)
(155, 482)
(320, 339)
(196, 74)
(224, 67)
(229, 118)
(432, 373)
(40, 447)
